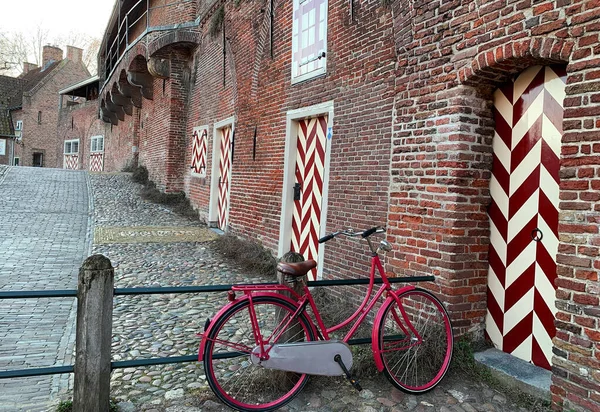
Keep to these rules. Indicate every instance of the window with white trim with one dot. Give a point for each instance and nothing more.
(96, 144)
(71, 147)
(309, 39)
(19, 125)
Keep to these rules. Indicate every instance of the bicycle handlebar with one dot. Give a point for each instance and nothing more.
(350, 232)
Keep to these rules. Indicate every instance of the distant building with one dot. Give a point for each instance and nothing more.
(33, 107)
(80, 131)
(10, 92)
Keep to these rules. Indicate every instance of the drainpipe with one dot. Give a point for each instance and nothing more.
(12, 153)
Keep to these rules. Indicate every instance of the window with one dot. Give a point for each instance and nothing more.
(16, 162)
(39, 117)
(71, 146)
(19, 125)
(97, 144)
(2, 147)
(309, 39)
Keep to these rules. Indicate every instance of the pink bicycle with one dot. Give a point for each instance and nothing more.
(260, 348)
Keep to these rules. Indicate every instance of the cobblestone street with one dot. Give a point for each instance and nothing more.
(43, 240)
(150, 246)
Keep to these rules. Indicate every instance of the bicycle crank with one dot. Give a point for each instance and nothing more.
(314, 358)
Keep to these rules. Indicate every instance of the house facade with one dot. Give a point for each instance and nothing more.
(470, 130)
(36, 112)
(10, 90)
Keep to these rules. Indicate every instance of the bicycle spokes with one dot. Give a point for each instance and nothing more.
(415, 340)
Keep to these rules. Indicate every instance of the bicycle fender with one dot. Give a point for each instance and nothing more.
(377, 324)
(235, 302)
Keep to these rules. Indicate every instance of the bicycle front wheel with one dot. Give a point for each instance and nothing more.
(415, 341)
(232, 376)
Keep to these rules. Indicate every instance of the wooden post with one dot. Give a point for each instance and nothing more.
(94, 335)
(297, 286)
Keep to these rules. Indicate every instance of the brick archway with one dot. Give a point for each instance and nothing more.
(493, 66)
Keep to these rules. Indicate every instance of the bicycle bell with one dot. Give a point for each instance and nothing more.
(385, 245)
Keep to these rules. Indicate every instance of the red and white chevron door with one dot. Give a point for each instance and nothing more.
(71, 162)
(200, 137)
(524, 214)
(224, 177)
(309, 174)
(96, 162)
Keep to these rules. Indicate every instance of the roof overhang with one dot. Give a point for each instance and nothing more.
(79, 89)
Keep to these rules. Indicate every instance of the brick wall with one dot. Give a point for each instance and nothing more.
(452, 55)
(6, 159)
(412, 87)
(362, 90)
(40, 129)
(81, 122)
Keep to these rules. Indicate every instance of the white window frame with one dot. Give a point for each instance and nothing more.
(96, 141)
(70, 142)
(309, 61)
(19, 125)
(2, 147)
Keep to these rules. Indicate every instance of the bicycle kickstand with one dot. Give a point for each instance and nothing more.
(353, 381)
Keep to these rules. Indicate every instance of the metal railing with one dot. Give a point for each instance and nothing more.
(57, 370)
(135, 24)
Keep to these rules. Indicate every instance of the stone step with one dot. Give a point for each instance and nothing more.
(517, 373)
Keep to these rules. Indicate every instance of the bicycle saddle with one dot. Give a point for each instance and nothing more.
(296, 269)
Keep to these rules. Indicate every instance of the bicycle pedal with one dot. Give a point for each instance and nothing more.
(349, 376)
(356, 384)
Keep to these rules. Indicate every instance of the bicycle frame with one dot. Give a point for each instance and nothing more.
(302, 301)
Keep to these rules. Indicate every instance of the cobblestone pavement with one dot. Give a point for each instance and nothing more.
(165, 325)
(141, 240)
(43, 240)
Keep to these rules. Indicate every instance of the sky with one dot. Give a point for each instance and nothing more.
(59, 17)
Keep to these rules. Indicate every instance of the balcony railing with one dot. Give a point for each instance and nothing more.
(141, 19)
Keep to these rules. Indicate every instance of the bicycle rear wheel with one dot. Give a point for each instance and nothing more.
(415, 362)
(235, 380)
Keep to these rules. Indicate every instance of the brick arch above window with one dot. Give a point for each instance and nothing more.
(495, 65)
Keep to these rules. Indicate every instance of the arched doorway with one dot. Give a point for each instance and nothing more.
(524, 214)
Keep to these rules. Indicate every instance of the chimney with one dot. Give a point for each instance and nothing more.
(51, 53)
(74, 54)
(27, 67)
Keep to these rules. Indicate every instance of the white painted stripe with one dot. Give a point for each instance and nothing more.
(496, 288)
(499, 196)
(545, 289)
(493, 331)
(549, 240)
(542, 337)
(527, 119)
(501, 151)
(549, 186)
(524, 350)
(518, 311)
(498, 242)
(554, 85)
(527, 212)
(526, 167)
(504, 107)
(551, 135)
(523, 81)
(520, 264)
